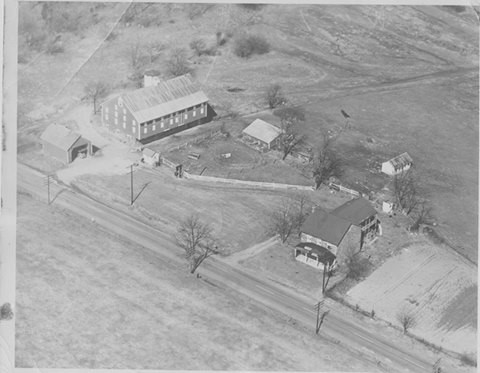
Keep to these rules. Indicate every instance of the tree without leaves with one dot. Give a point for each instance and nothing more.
(290, 139)
(196, 239)
(198, 46)
(353, 263)
(407, 319)
(177, 63)
(422, 215)
(406, 191)
(326, 163)
(289, 216)
(94, 91)
(275, 96)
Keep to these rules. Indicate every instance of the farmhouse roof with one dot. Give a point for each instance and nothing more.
(400, 161)
(60, 136)
(326, 226)
(324, 255)
(263, 131)
(355, 210)
(164, 98)
(149, 152)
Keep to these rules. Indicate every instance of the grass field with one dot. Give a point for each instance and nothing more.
(101, 302)
(240, 217)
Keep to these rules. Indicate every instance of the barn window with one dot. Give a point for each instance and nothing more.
(145, 130)
(186, 116)
(124, 125)
(154, 127)
(171, 121)
(124, 118)
(133, 129)
(194, 113)
(202, 110)
(176, 119)
(161, 124)
(133, 123)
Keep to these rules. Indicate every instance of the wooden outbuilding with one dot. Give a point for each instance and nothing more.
(397, 165)
(63, 144)
(264, 134)
(150, 157)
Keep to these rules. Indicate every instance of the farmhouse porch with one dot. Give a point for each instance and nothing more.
(315, 256)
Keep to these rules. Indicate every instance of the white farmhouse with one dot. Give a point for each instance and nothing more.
(396, 165)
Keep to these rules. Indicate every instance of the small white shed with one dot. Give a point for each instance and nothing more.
(396, 165)
(151, 157)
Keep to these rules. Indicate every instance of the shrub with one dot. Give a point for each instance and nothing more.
(275, 96)
(252, 6)
(199, 46)
(467, 359)
(55, 48)
(247, 45)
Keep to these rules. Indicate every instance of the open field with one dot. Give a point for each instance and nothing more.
(439, 288)
(239, 216)
(101, 302)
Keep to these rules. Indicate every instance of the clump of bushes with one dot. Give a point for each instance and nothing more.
(251, 6)
(247, 45)
(177, 63)
(200, 48)
(467, 359)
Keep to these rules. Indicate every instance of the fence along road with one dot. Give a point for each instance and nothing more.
(366, 345)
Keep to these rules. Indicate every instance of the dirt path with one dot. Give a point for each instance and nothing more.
(251, 251)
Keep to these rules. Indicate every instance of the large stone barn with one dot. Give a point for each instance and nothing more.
(63, 144)
(350, 225)
(149, 113)
(397, 165)
(262, 134)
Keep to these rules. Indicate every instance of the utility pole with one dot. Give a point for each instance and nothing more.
(131, 184)
(318, 306)
(324, 273)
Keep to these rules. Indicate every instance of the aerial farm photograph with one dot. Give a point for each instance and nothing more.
(249, 187)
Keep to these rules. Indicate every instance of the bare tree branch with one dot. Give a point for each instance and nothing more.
(326, 163)
(195, 237)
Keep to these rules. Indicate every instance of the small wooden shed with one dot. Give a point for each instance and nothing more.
(150, 157)
(263, 133)
(396, 165)
(63, 144)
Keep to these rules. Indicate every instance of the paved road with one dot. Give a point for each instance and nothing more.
(337, 328)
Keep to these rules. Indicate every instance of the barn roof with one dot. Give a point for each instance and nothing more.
(400, 161)
(327, 227)
(165, 98)
(324, 255)
(60, 136)
(355, 210)
(263, 131)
